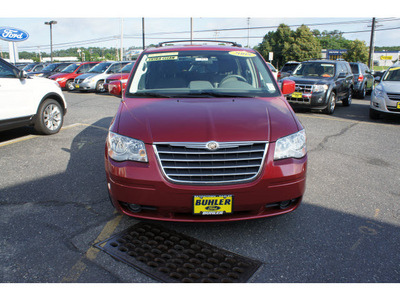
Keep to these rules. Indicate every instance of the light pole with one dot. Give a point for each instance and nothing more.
(51, 23)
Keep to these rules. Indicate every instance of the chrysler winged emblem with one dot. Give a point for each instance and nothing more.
(212, 146)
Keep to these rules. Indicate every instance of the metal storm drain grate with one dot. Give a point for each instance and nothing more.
(170, 256)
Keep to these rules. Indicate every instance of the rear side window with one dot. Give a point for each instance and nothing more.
(354, 68)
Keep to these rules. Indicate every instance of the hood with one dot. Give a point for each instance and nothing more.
(310, 80)
(58, 75)
(118, 76)
(202, 120)
(86, 75)
(391, 86)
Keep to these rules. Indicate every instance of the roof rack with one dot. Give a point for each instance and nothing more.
(209, 41)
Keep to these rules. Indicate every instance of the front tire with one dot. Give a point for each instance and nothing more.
(50, 117)
(347, 101)
(100, 86)
(331, 104)
(69, 85)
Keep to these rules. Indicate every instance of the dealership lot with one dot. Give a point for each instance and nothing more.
(55, 207)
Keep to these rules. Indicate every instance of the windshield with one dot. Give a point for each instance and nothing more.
(392, 74)
(202, 74)
(70, 68)
(100, 68)
(315, 69)
(29, 67)
(50, 68)
(289, 67)
(127, 68)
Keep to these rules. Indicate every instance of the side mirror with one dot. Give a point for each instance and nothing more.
(114, 88)
(342, 75)
(288, 87)
(378, 78)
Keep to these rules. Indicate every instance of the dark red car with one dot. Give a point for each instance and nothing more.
(117, 82)
(66, 78)
(203, 134)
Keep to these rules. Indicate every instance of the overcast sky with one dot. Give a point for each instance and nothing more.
(84, 25)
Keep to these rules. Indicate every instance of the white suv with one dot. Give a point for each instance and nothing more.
(29, 101)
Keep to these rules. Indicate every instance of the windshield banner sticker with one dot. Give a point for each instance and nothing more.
(242, 53)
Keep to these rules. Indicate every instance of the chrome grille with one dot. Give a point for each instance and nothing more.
(301, 88)
(394, 97)
(78, 80)
(193, 163)
(304, 88)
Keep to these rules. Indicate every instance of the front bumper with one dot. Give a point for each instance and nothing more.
(85, 86)
(315, 100)
(385, 103)
(144, 184)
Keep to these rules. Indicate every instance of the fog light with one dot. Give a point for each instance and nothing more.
(285, 204)
(135, 207)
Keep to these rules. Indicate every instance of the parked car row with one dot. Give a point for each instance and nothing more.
(91, 76)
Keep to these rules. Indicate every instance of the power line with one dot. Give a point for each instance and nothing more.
(110, 38)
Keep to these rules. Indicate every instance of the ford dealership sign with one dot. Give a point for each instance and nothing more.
(13, 34)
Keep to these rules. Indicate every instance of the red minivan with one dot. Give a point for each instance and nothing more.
(66, 78)
(204, 134)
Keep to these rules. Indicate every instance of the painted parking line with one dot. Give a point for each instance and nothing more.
(80, 266)
(29, 137)
(345, 120)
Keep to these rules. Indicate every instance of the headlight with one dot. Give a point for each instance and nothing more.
(124, 80)
(293, 145)
(60, 79)
(122, 148)
(319, 88)
(379, 92)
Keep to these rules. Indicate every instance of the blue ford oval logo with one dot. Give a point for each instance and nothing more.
(13, 34)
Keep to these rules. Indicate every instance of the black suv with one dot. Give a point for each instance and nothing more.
(321, 83)
(287, 69)
(363, 79)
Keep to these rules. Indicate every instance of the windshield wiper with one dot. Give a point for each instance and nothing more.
(214, 94)
(151, 94)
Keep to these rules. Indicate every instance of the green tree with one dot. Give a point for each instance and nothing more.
(289, 45)
(357, 51)
(332, 39)
(302, 45)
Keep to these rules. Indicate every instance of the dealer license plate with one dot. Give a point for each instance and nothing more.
(297, 95)
(207, 205)
(77, 86)
(398, 105)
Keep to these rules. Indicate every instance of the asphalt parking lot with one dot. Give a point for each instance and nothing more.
(55, 207)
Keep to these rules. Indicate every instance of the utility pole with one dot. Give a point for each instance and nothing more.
(122, 39)
(248, 32)
(191, 31)
(371, 46)
(143, 33)
(51, 23)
